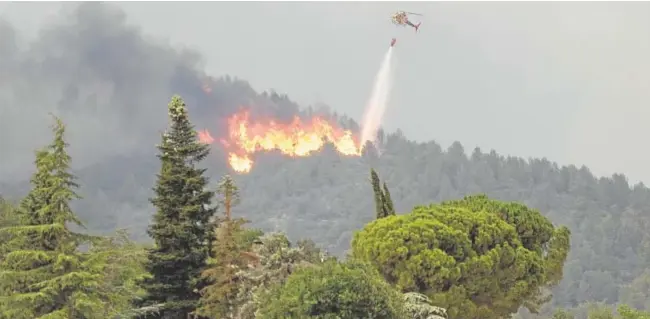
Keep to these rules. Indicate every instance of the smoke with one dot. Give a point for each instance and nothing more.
(107, 82)
(378, 101)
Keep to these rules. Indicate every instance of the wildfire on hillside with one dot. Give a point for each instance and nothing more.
(296, 139)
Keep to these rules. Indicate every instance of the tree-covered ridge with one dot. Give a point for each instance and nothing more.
(518, 233)
(325, 197)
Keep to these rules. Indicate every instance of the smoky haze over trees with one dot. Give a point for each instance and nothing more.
(110, 85)
(99, 73)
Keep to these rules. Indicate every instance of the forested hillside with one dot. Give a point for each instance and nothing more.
(326, 197)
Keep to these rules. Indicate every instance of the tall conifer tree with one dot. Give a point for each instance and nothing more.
(383, 202)
(376, 188)
(388, 202)
(219, 299)
(181, 227)
(45, 275)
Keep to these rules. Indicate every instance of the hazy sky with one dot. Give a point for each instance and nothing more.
(566, 80)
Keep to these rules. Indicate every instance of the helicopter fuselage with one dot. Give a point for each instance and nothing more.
(400, 18)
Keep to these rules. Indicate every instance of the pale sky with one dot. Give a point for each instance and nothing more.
(569, 81)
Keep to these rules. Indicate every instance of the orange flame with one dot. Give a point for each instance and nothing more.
(297, 138)
(205, 137)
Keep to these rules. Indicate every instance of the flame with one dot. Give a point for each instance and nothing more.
(205, 137)
(296, 139)
(242, 164)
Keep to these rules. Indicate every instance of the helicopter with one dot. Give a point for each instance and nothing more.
(401, 18)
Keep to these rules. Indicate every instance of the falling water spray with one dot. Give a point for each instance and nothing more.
(378, 101)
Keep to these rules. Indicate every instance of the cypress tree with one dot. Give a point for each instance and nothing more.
(388, 202)
(383, 202)
(44, 275)
(379, 202)
(181, 227)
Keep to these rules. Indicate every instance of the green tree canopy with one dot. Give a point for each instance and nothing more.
(120, 261)
(637, 293)
(8, 217)
(476, 257)
(601, 311)
(219, 297)
(333, 290)
(181, 228)
(626, 312)
(383, 202)
(44, 274)
(276, 260)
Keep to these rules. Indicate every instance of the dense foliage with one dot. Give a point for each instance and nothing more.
(181, 227)
(273, 260)
(383, 202)
(100, 69)
(219, 297)
(43, 274)
(326, 198)
(334, 290)
(476, 257)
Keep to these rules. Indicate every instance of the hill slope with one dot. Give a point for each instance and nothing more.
(325, 197)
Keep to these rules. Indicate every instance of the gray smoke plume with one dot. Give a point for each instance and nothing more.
(107, 82)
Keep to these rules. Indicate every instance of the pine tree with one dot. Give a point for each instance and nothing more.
(229, 196)
(219, 299)
(8, 218)
(122, 267)
(45, 275)
(383, 202)
(181, 227)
